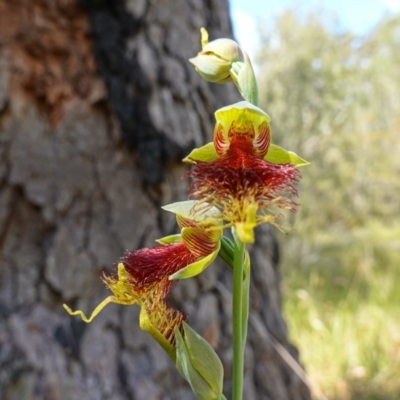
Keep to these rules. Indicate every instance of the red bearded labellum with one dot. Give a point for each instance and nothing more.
(150, 267)
(239, 178)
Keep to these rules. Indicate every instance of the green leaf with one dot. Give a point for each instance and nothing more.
(204, 359)
(226, 242)
(196, 267)
(170, 239)
(191, 210)
(205, 153)
(184, 365)
(226, 251)
(278, 155)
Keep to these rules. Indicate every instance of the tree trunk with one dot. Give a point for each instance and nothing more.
(98, 105)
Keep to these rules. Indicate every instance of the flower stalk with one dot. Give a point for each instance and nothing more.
(239, 318)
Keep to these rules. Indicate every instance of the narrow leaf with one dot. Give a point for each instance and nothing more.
(204, 359)
(183, 363)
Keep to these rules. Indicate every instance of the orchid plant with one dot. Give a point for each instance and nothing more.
(239, 181)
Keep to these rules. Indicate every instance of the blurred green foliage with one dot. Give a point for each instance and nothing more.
(334, 99)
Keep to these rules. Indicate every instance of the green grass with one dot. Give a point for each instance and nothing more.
(342, 304)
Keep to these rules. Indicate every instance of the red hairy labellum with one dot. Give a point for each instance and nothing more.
(152, 266)
(240, 177)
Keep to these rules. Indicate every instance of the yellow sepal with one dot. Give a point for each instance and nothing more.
(205, 153)
(243, 111)
(278, 155)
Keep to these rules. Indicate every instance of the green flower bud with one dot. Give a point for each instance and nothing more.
(222, 61)
(215, 60)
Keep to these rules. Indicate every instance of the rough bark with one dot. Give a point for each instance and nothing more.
(97, 107)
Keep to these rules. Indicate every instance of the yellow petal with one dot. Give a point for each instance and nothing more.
(123, 294)
(110, 299)
(201, 242)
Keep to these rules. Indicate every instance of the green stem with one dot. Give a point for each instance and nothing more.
(245, 298)
(237, 316)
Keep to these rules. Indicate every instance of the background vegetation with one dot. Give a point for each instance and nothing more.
(334, 98)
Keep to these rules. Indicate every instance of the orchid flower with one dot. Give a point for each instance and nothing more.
(241, 173)
(145, 276)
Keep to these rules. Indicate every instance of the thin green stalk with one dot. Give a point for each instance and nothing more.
(237, 317)
(245, 298)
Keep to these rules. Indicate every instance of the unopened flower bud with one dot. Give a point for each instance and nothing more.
(222, 61)
(215, 60)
